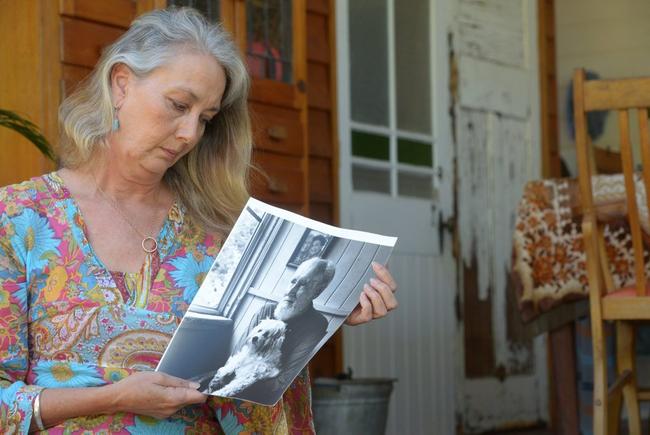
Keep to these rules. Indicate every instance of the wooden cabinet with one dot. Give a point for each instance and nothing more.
(287, 44)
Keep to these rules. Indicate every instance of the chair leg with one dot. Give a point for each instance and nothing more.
(625, 356)
(614, 414)
(600, 377)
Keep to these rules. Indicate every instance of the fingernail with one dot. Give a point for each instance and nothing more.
(374, 281)
(195, 385)
(376, 265)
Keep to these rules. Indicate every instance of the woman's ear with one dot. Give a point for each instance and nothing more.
(121, 77)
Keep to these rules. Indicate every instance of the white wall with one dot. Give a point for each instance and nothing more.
(609, 37)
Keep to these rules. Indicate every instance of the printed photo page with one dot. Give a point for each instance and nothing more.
(281, 285)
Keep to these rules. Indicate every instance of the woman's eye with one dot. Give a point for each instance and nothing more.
(179, 106)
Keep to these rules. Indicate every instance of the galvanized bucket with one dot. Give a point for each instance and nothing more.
(351, 406)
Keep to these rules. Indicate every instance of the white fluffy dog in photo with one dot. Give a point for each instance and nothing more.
(258, 359)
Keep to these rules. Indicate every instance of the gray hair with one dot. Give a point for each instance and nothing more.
(211, 179)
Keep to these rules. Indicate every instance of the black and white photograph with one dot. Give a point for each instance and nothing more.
(312, 244)
(281, 285)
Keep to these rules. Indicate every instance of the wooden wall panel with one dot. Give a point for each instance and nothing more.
(317, 46)
(319, 6)
(72, 75)
(323, 152)
(320, 180)
(320, 133)
(83, 41)
(28, 83)
(319, 93)
(116, 12)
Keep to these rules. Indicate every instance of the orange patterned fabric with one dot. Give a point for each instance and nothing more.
(548, 259)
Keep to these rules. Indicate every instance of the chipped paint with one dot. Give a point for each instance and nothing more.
(497, 129)
(492, 30)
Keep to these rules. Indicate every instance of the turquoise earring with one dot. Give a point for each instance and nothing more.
(116, 121)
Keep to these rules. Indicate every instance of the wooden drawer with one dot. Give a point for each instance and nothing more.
(277, 129)
(83, 41)
(114, 12)
(281, 180)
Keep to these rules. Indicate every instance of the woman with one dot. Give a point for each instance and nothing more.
(99, 260)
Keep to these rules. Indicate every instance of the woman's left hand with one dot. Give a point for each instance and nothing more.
(377, 297)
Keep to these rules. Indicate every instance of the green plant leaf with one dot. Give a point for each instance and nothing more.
(29, 130)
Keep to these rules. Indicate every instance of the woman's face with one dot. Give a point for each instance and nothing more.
(163, 115)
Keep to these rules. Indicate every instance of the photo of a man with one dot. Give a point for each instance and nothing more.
(305, 326)
(280, 286)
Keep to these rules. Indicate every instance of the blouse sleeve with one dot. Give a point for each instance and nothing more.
(16, 397)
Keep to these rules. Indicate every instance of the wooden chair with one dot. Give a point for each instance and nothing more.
(622, 306)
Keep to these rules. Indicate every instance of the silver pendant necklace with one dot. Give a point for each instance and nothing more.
(149, 243)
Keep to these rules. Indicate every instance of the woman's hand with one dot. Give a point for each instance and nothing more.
(377, 297)
(154, 394)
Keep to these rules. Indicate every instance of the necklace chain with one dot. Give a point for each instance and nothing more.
(149, 243)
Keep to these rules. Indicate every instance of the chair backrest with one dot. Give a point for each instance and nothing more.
(623, 96)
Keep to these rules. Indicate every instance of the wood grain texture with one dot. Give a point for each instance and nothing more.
(115, 12)
(563, 363)
(84, 41)
(318, 91)
(320, 133)
(548, 88)
(320, 180)
(72, 75)
(275, 93)
(480, 359)
(321, 211)
(33, 89)
(617, 94)
(277, 129)
(320, 6)
(623, 96)
(281, 180)
(317, 40)
(491, 30)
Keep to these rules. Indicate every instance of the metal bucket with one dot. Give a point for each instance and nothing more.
(351, 406)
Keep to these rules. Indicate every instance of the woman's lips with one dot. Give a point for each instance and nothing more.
(170, 153)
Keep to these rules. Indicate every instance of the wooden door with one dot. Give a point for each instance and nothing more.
(397, 176)
(502, 375)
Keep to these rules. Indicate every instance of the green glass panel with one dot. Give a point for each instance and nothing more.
(414, 152)
(372, 146)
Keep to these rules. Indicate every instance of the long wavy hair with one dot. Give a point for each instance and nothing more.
(211, 180)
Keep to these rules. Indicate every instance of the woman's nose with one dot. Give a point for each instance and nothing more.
(189, 130)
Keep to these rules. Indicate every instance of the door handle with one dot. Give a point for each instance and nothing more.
(448, 225)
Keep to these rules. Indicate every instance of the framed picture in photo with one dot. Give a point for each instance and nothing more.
(312, 244)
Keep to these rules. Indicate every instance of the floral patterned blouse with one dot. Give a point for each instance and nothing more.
(66, 321)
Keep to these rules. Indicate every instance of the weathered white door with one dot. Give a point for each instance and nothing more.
(396, 178)
(502, 379)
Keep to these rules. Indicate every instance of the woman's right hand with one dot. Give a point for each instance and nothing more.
(154, 394)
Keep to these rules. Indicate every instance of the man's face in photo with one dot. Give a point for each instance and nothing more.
(305, 287)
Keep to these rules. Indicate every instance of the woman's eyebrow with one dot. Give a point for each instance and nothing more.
(195, 98)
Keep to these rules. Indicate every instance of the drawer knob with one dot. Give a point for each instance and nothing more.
(277, 132)
(277, 186)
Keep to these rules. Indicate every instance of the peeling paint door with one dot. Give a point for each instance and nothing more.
(396, 178)
(502, 378)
